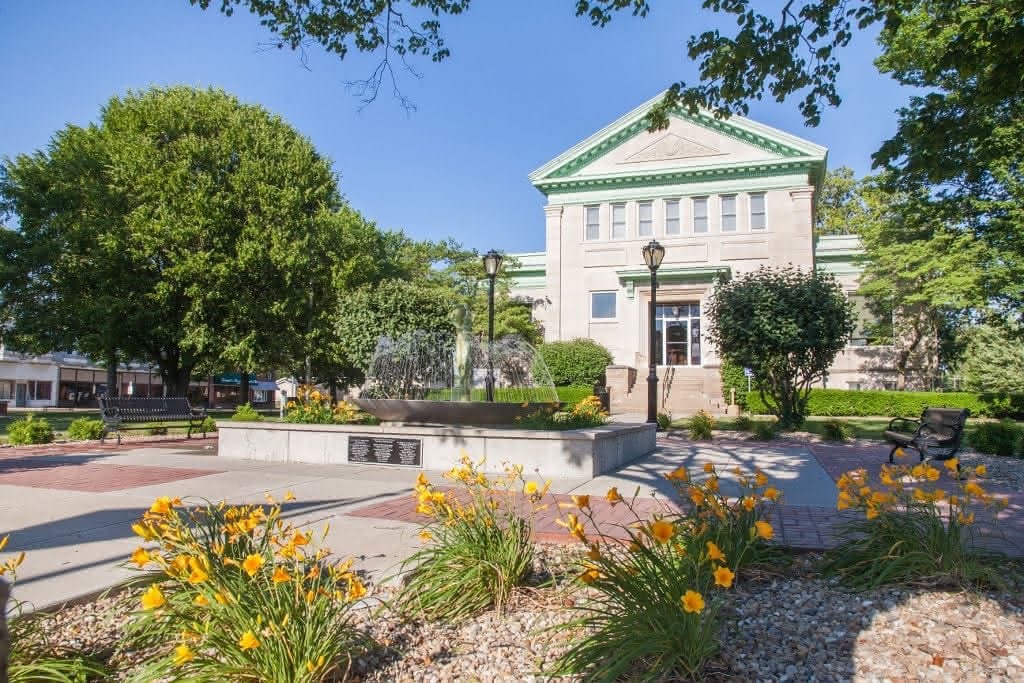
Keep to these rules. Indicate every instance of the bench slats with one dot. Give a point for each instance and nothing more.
(116, 411)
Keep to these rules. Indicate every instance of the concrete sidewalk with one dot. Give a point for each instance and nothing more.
(70, 507)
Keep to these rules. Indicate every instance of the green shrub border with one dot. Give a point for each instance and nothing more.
(847, 403)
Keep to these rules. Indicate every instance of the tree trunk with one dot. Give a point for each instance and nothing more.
(243, 386)
(175, 379)
(113, 388)
(5, 635)
(334, 390)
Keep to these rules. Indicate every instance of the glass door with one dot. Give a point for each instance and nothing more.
(677, 334)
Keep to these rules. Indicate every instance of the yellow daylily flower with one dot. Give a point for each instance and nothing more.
(764, 529)
(581, 501)
(771, 493)
(662, 531)
(248, 641)
(613, 496)
(252, 564)
(714, 553)
(183, 653)
(693, 602)
(139, 557)
(724, 577)
(153, 598)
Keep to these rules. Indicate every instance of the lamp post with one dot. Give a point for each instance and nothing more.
(492, 262)
(653, 255)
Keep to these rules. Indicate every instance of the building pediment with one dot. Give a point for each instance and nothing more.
(694, 148)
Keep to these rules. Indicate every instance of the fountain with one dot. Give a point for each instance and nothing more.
(436, 378)
(427, 389)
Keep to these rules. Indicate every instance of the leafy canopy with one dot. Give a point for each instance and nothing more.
(785, 324)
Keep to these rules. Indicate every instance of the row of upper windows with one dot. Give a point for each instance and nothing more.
(672, 222)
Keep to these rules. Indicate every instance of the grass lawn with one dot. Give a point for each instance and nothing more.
(61, 419)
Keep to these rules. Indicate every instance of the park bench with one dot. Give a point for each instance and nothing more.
(937, 435)
(118, 411)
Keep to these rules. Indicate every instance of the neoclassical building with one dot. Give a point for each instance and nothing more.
(722, 196)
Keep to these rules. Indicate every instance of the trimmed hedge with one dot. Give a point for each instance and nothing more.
(842, 402)
(578, 362)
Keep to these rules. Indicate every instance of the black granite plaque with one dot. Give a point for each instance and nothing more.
(382, 450)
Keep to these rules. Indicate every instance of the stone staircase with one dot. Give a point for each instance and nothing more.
(681, 391)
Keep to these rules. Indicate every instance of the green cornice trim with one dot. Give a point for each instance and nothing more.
(632, 130)
(654, 179)
(674, 274)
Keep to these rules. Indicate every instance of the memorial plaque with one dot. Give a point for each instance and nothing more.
(382, 450)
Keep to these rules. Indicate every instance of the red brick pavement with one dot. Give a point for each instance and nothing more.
(90, 447)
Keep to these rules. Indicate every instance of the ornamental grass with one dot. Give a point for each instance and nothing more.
(656, 586)
(236, 594)
(33, 656)
(477, 546)
(913, 532)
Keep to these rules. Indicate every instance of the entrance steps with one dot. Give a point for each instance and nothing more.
(681, 391)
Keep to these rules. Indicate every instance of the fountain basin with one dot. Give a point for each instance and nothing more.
(573, 453)
(476, 413)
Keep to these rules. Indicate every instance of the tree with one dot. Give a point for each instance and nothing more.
(787, 325)
(840, 208)
(993, 360)
(186, 229)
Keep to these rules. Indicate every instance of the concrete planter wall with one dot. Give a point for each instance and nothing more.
(573, 453)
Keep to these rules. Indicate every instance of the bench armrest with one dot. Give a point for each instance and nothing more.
(904, 424)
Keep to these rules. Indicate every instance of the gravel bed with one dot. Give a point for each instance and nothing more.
(789, 625)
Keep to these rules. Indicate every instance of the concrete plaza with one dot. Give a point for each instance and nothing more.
(70, 507)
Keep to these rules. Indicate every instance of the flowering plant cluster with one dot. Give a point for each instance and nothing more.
(581, 415)
(242, 595)
(914, 529)
(656, 584)
(477, 541)
(311, 406)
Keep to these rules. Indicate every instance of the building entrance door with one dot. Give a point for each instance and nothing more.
(677, 334)
(20, 395)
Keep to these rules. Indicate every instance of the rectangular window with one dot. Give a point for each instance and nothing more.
(645, 219)
(593, 223)
(672, 217)
(39, 391)
(758, 216)
(6, 390)
(602, 305)
(728, 212)
(618, 221)
(700, 214)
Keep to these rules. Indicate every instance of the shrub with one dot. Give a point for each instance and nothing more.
(913, 532)
(241, 596)
(246, 413)
(579, 362)
(835, 430)
(845, 403)
(584, 414)
(31, 658)
(700, 426)
(209, 425)
(310, 406)
(655, 607)
(733, 378)
(998, 438)
(85, 429)
(743, 423)
(765, 430)
(574, 394)
(664, 421)
(30, 430)
(478, 546)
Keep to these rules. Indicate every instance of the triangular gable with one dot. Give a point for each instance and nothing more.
(694, 146)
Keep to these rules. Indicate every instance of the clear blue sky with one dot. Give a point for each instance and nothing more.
(526, 81)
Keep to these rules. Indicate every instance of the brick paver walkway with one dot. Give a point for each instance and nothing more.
(801, 527)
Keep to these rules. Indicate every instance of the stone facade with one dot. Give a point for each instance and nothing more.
(722, 197)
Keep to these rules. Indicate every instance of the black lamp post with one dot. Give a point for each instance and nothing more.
(492, 262)
(653, 255)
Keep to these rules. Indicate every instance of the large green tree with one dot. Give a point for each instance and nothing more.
(787, 325)
(184, 228)
(993, 360)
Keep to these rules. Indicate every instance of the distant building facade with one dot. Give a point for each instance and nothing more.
(724, 197)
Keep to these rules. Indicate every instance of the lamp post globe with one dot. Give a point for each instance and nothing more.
(492, 264)
(654, 253)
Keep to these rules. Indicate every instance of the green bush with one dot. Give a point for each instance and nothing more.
(574, 394)
(579, 362)
(835, 430)
(733, 378)
(700, 426)
(30, 430)
(587, 413)
(209, 425)
(743, 423)
(664, 421)
(765, 430)
(246, 413)
(841, 402)
(85, 429)
(998, 438)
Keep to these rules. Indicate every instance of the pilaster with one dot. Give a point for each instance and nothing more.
(553, 269)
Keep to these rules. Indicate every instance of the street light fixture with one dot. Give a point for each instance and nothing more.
(492, 263)
(654, 253)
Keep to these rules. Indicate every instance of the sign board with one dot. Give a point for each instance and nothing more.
(747, 372)
(375, 450)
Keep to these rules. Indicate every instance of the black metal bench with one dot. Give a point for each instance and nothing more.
(937, 435)
(118, 411)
